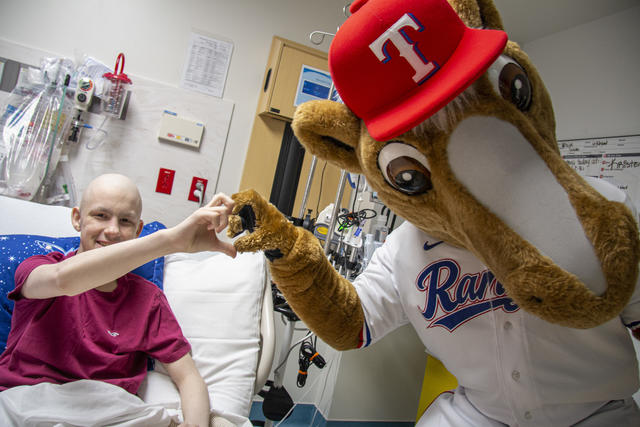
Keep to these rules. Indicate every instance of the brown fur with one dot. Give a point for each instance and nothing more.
(450, 212)
(313, 288)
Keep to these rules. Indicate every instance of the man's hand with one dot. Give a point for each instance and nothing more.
(199, 231)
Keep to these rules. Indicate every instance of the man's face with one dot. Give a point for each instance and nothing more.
(107, 216)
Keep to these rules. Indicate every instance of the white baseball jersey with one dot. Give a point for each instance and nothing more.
(515, 367)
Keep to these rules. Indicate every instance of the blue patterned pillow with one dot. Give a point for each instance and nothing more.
(15, 248)
(153, 270)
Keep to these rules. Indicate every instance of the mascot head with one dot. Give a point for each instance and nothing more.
(451, 124)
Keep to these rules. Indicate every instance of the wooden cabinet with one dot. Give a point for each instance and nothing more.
(282, 74)
(275, 109)
(261, 163)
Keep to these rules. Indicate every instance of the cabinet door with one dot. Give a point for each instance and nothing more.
(287, 61)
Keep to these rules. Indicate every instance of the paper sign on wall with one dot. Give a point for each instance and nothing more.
(207, 64)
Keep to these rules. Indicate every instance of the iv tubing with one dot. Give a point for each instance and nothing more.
(99, 131)
(55, 130)
(334, 214)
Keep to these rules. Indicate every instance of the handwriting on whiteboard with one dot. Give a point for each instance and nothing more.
(615, 159)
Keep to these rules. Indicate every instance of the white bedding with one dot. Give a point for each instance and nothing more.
(80, 403)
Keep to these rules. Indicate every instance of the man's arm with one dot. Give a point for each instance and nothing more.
(96, 267)
(194, 397)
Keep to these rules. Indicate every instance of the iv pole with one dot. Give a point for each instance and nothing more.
(278, 378)
(290, 325)
(289, 328)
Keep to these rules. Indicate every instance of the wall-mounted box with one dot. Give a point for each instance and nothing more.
(282, 75)
(179, 130)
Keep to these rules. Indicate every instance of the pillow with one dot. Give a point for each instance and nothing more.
(25, 217)
(15, 248)
(218, 302)
(153, 271)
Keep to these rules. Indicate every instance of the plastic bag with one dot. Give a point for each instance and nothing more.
(32, 128)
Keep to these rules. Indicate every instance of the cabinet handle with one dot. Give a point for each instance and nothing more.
(266, 80)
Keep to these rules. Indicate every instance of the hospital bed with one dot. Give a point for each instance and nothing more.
(224, 308)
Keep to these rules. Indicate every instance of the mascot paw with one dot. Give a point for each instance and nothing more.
(267, 228)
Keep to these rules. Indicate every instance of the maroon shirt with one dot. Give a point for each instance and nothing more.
(95, 335)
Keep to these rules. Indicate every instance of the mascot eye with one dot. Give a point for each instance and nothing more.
(511, 82)
(405, 168)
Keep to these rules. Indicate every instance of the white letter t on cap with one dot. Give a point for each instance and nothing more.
(407, 48)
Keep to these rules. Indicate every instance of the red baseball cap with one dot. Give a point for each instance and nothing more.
(395, 63)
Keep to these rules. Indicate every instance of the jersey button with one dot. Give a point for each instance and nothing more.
(528, 415)
(507, 325)
(515, 375)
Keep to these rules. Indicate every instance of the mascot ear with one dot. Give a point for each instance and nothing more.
(478, 13)
(489, 15)
(330, 131)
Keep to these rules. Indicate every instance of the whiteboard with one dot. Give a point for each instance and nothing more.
(615, 159)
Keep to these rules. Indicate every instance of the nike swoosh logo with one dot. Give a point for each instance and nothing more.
(428, 247)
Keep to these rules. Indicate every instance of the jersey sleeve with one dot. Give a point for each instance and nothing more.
(165, 340)
(631, 313)
(376, 287)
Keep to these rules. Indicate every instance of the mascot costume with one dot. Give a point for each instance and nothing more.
(517, 273)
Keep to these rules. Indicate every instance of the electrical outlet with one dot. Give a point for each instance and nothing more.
(194, 181)
(165, 181)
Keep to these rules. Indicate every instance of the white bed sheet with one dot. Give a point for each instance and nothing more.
(80, 403)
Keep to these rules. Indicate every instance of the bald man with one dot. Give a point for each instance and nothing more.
(85, 316)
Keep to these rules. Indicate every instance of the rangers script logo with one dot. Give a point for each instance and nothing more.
(451, 299)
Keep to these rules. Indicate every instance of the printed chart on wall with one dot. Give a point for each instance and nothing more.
(615, 159)
(207, 64)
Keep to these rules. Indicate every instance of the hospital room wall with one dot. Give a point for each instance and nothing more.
(591, 72)
(154, 36)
